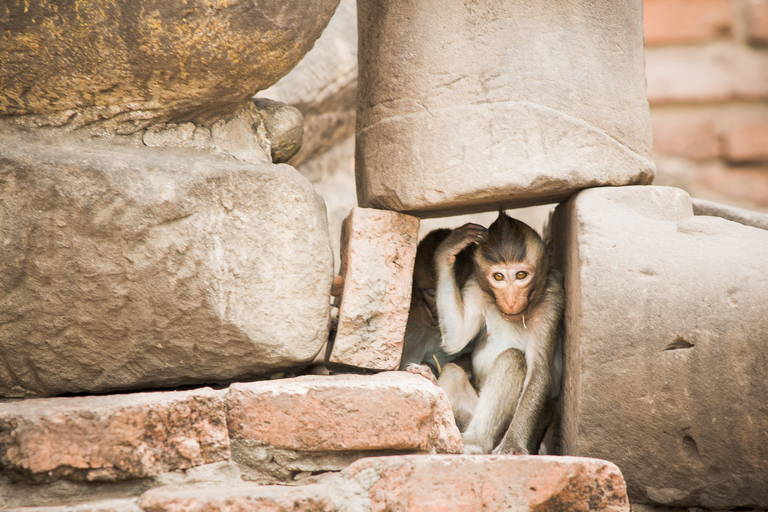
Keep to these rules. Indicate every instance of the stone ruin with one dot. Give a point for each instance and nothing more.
(166, 279)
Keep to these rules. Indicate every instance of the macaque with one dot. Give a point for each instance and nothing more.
(511, 308)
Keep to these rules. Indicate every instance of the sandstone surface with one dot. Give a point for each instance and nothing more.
(126, 268)
(378, 249)
(343, 413)
(109, 438)
(125, 65)
(469, 483)
(666, 371)
(498, 104)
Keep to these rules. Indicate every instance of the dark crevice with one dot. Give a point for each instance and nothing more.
(679, 343)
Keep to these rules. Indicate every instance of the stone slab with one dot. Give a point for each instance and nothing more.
(378, 249)
(125, 65)
(342, 413)
(469, 483)
(498, 104)
(114, 437)
(666, 370)
(126, 268)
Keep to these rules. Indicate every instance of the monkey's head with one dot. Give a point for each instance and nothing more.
(511, 265)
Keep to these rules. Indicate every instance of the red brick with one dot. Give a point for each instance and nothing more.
(468, 483)
(742, 184)
(377, 254)
(746, 139)
(685, 132)
(757, 20)
(686, 21)
(238, 498)
(342, 413)
(113, 437)
(704, 74)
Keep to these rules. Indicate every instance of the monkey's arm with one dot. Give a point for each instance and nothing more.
(522, 435)
(460, 310)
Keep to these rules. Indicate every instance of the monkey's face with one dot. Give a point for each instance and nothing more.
(511, 284)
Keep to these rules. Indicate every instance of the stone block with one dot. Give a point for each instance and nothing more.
(747, 183)
(126, 65)
(118, 505)
(238, 498)
(704, 74)
(112, 437)
(747, 138)
(469, 483)
(500, 103)
(125, 268)
(666, 371)
(390, 411)
(378, 249)
(757, 20)
(686, 133)
(684, 21)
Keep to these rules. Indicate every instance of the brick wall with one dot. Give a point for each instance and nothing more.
(707, 72)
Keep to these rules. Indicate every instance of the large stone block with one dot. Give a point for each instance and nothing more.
(378, 249)
(141, 267)
(238, 498)
(467, 108)
(127, 64)
(666, 366)
(117, 437)
(469, 483)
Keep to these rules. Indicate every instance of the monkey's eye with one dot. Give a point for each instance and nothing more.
(521, 275)
(498, 276)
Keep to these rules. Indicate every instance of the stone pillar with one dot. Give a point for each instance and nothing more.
(469, 106)
(666, 368)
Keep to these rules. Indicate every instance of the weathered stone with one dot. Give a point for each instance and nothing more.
(122, 505)
(378, 249)
(123, 268)
(284, 127)
(711, 73)
(389, 411)
(683, 21)
(740, 215)
(323, 86)
(113, 437)
(238, 498)
(665, 366)
(500, 103)
(126, 65)
(490, 482)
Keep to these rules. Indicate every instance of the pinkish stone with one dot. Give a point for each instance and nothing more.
(388, 411)
(490, 482)
(112, 437)
(378, 249)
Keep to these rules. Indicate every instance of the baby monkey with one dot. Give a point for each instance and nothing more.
(509, 308)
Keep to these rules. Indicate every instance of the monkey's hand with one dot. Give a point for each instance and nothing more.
(459, 238)
(423, 370)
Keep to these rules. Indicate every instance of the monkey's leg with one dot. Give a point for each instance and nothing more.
(461, 394)
(496, 405)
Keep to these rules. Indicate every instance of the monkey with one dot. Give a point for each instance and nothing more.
(511, 307)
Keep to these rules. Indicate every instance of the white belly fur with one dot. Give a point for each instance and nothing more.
(500, 335)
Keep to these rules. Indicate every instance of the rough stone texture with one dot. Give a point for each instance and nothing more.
(684, 21)
(126, 64)
(499, 103)
(107, 438)
(124, 268)
(388, 411)
(740, 215)
(714, 72)
(490, 482)
(323, 86)
(665, 361)
(127, 505)
(239, 498)
(378, 249)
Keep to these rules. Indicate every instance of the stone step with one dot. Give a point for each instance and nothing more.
(120, 437)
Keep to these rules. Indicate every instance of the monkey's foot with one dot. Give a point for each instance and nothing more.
(473, 449)
(423, 370)
(499, 450)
